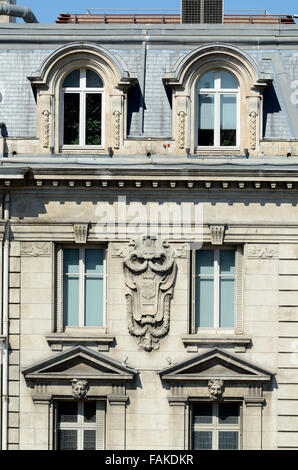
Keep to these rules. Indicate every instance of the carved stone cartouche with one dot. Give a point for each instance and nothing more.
(150, 272)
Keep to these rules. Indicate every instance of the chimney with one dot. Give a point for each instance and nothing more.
(202, 11)
(8, 19)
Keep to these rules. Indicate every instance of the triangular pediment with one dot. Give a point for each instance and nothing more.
(80, 362)
(215, 364)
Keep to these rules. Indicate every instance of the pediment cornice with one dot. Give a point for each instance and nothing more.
(215, 364)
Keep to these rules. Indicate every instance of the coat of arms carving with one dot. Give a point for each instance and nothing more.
(150, 272)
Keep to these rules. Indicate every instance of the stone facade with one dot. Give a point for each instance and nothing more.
(150, 198)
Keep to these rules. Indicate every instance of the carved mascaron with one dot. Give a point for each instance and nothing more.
(79, 388)
(215, 388)
(150, 272)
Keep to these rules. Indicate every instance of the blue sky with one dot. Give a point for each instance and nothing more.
(48, 12)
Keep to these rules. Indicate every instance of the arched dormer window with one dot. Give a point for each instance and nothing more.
(217, 101)
(82, 109)
(218, 109)
(81, 100)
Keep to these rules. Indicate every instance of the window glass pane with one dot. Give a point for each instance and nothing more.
(204, 302)
(90, 440)
(202, 440)
(205, 262)
(228, 118)
(93, 80)
(206, 120)
(67, 412)
(71, 118)
(228, 413)
(72, 80)
(93, 119)
(227, 296)
(202, 413)
(90, 412)
(207, 80)
(67, 439)
(71, 301)
(94, 261)
(227, 262)
(93, 301)
(228, 440)
(71, 261)
(228, 80)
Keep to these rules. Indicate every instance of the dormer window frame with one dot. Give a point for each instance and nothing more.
(217, 92)
(83, 90)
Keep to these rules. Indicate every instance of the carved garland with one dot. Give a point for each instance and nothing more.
(116, 129)
(46, 128)
(181, 129)
(150, 272)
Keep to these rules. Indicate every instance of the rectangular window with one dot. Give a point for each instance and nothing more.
(215, 426)
(213, 288)
(80, 425)
(83, 287)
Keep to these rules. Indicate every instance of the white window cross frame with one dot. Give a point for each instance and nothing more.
(215, 427)
(216, 92)
(216, 276)
(80, 426)
(82, 91)
(82, 275)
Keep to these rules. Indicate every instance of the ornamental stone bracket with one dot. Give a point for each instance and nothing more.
(217, 232)
(81, 232)
(150, 272)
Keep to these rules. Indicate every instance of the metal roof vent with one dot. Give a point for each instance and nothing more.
(202, 11)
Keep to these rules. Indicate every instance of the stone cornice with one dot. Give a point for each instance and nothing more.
(62, 231)
(190, 178)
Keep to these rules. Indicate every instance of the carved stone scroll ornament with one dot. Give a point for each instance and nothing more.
(35, 249)
(261, 252)
(116, 129)
(46, 128)
(79, 388)
(253, 130)
(215, 388)
(181, 129)
(150, 272)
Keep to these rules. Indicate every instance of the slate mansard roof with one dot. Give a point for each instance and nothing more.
(23, 48)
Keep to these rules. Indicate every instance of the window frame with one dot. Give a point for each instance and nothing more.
(80, 426)
(215, 427)
(238, 294)
(82, 91)
(60, 327)
(217, 92)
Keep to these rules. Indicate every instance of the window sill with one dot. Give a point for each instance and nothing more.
(193, 342)
(217, 151)
(57, 341)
